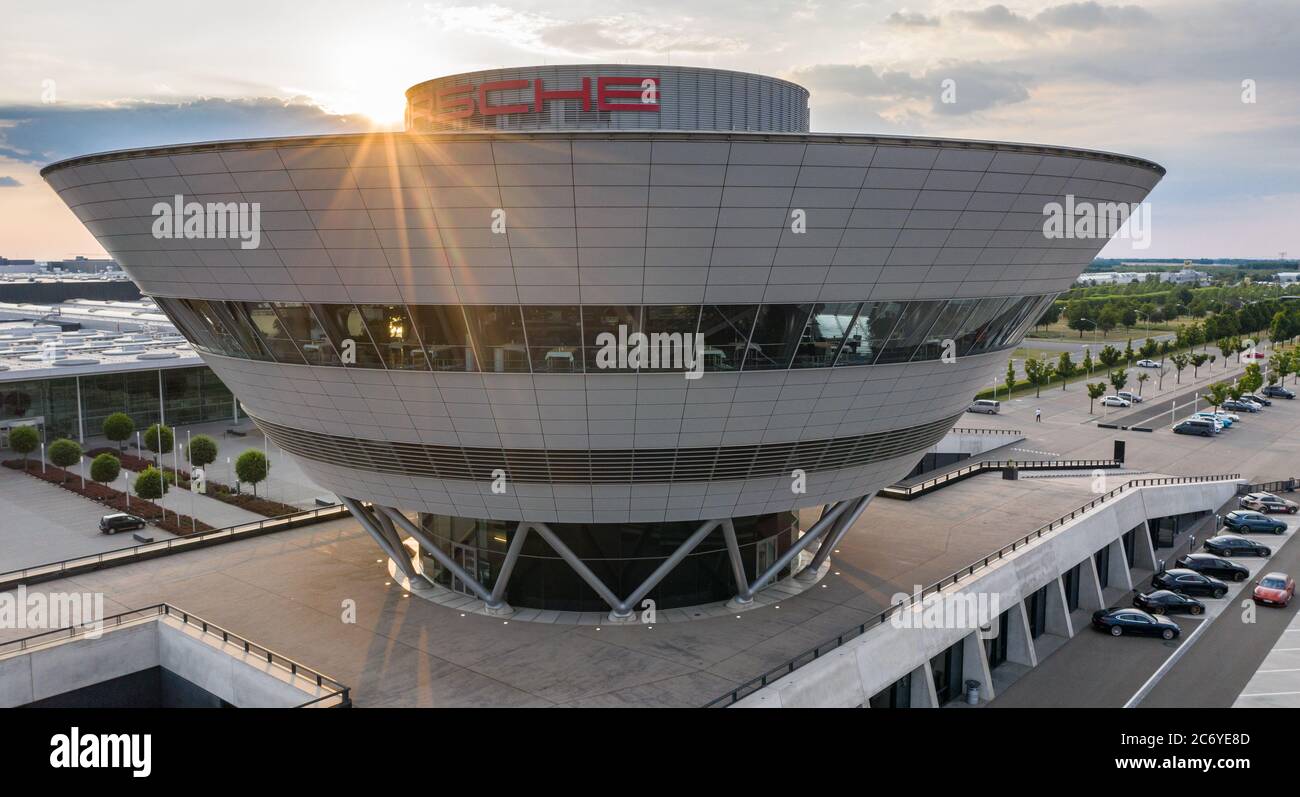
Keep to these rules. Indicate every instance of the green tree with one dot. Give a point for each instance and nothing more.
(1129, 355)
(24, 440)
(1149, 349)
(1118, 378)
(1010, 380)
(1109, 318)
(1086, 365)
(105, 468)
(202, 451)
(1141, 378)
(150, 484)
(1095, 391)
(1110, 356)
(1065, 367)
(1198, 360)
(65, 453)
(1217, 395)
(1252, 379)
(118, 428)
(159, 439)
(251, 467)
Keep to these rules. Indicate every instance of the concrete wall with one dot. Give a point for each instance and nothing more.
(850, 675)
(202, 659)
(972, 444)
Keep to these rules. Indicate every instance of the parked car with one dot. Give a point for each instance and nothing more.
(1258, 399)
(1130, 397)
(1220, 421)
(1266, 502)
(1197, 426)
(1232, 545)
(1147, 364)
(1163, 601)
(119, 521)
(1207, 564)
(1115, 401)
(1241, 406)
(1189, 582)
(1277, 391)
(1118, 622)
(1274, 589)
(988, 406)
(1244, 521)
(1254, 355)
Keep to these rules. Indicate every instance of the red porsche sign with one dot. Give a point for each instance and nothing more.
(460, 102)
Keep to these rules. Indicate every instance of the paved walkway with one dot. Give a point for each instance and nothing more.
(217, 514)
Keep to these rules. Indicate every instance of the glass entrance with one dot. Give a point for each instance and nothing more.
(764, 556)
(467, 558)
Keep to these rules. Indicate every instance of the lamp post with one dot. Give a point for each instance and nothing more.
(42, 456)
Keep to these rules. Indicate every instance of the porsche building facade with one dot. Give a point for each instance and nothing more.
(423, 320)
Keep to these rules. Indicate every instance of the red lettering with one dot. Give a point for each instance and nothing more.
(604, 94)
(541, 95)
(451, 103)
(458, 102)
(501, 85)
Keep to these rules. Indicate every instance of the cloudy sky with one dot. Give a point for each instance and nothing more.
(1162, 79)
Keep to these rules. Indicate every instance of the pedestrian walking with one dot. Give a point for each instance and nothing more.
(1038, 415)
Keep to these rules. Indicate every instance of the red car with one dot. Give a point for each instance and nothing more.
(1275, 589)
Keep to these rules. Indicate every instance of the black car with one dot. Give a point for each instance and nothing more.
(1196, 426)
(1258, 399)
(1189, 582)
(112, 524)
(1163, 601)
(1243, 521)
(1277, 391)
(1210, 565)
(1241, 406)
(1118, 622)
(1232, 545)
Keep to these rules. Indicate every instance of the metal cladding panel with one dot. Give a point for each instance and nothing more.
(688, 99)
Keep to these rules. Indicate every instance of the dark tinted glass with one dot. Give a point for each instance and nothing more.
(394, 336)
(498, 335)
(274, 335)
(777, 332)
(554, 338)
(605, 330)
(869, 331)
(828, 326)
(441, 329)
(726, 330)
(910, 332)
(300, 324)
(345, 328)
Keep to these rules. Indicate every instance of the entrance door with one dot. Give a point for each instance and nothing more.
(764, 556)
(467, 558)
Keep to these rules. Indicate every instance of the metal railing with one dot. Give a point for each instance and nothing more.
(754, 684)
(1284, 486)
(338, 695)
(973, 430)
(908, 492)
(135, 553)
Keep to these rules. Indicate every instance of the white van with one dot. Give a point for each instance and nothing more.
(987, 406)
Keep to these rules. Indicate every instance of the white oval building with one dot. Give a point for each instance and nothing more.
(421, 317)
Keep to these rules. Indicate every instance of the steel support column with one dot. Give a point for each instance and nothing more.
(626, 607)
(508, 566)
(437, 553)
(372, 527)
(812, 535)
(833, 537)
(581, 569)
(733, 552)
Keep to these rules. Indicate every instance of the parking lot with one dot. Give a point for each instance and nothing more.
(1207, 665)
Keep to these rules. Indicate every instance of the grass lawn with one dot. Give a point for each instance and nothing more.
(1061, 330)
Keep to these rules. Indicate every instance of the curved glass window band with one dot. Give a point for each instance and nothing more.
(594, 339)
